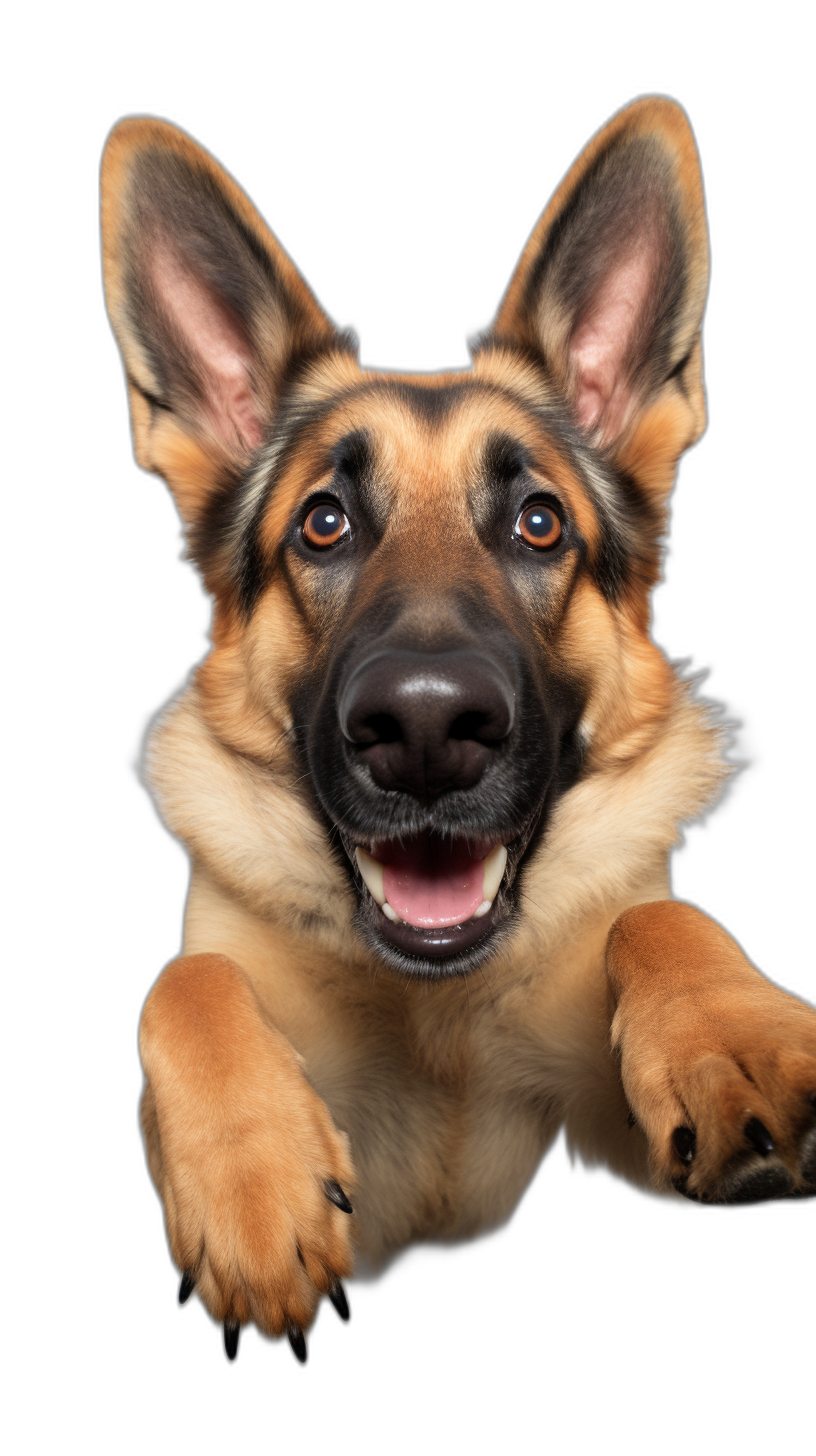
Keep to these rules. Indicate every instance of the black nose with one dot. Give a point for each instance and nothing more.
(427, 722)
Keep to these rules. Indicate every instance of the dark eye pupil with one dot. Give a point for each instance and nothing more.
(324, 521)
(539, 522)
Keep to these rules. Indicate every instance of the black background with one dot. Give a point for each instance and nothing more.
(405, 203)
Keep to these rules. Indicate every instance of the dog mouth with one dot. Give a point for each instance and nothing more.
(430, 883)
(432, 899)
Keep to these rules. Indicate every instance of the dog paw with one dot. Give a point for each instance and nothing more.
(752, 1166)
(732, 1118)
(258, 1213)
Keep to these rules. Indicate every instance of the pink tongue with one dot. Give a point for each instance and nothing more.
(432, 883)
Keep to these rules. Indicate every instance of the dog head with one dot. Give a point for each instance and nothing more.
(431, 592)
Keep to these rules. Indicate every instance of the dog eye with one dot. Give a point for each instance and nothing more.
(539, 526)
(325, 525)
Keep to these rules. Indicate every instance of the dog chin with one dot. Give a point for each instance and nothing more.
(432, 955)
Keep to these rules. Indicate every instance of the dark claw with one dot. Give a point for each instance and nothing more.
(186, 1287)
(298, 1343)
(685, 1143)
(232, 1330)
(335, 1195)
(337, 1295)
(759, 1137)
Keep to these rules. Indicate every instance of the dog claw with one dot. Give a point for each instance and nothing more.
(186, 1287)
(232, 1330)
(335, 1195)
(337, 1295)
(297, 1341)
(685, 1143)
(759, 1137)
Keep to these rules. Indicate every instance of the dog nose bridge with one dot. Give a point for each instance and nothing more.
(432, 578)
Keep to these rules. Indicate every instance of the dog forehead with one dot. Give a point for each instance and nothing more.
(436, 438)
(418, 436)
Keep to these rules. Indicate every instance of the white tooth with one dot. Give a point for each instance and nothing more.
(372, 873)
(493, 871)
(482, 910)
(391, 914)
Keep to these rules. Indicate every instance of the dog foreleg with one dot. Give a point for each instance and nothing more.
(252, 1172)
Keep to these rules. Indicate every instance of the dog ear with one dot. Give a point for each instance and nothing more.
(209, 312)
(611, 287)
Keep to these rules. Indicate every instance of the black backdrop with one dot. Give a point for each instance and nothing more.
(407, 208)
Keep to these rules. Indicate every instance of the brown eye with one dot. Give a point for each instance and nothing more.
(539, 526)
(325, 525)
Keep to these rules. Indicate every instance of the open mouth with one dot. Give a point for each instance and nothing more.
(435, 895)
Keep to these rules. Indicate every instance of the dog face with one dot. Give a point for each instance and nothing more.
(431, 593)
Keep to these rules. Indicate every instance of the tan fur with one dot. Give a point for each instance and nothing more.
(277, 1048)
(707, 1042)
(224, 1218)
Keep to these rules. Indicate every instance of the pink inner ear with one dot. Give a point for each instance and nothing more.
(217, 344)
(601, 344)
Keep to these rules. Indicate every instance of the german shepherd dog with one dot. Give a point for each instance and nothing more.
(431, 772)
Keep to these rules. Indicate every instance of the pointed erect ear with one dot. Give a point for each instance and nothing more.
(209, 312)
(611, 287)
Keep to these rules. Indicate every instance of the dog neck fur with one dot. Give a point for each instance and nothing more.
(253, 830)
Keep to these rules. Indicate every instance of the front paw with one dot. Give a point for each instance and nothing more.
(725, 1093)
(259, 1220)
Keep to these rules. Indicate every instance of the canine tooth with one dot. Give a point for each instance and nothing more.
(493, 871)
(482, 910)
(391, 914)
(372, 873)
